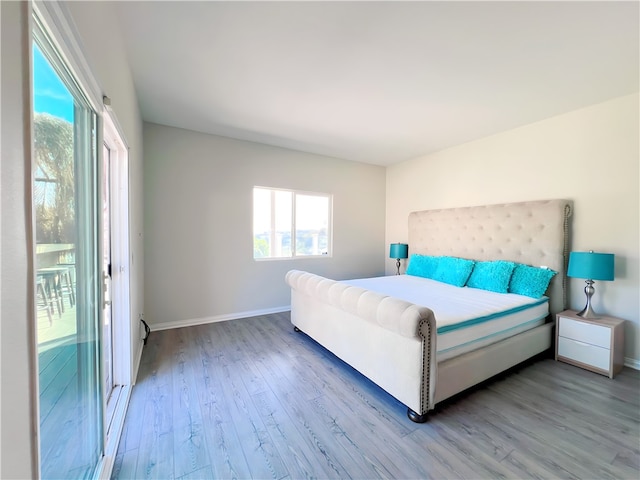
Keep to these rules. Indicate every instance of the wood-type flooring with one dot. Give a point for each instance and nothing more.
(251, 398)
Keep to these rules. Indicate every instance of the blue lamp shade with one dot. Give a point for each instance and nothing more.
(399, 250)
(591, 265)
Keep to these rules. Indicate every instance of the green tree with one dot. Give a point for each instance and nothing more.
(54, 186)
(260, 248)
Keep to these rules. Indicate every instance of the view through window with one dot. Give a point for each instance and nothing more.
(288, 223)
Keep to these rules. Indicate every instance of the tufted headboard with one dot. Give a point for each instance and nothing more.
(534, 233)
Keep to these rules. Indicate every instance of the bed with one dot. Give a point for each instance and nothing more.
(394, 341)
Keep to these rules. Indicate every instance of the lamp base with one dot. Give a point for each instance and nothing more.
(587, 312)
(398, 266)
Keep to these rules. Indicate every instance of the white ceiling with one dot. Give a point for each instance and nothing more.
(375, 82)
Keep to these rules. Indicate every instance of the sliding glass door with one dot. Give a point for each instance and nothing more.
(68, 268)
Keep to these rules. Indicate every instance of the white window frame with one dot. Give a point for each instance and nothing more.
(294, 194)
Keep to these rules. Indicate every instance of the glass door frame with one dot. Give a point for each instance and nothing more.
(70, 407)
(120, 262)
(58, 24)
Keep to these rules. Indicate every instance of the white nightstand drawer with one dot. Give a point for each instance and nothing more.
(597, 357)
(585, 332)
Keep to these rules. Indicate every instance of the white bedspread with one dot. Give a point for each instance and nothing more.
(451, 305)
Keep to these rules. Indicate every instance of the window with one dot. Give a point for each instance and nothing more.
(288, 223)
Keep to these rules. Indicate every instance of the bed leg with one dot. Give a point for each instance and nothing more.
(416, 417)
(296, 329)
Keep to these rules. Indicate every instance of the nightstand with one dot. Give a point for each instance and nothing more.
(592, 344)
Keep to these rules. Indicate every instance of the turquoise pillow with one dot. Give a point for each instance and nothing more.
(422, 265)
(493, 276)
(453, 270)
(530, 281)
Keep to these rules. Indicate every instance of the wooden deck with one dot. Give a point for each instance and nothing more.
(252, 399)
(62, 416)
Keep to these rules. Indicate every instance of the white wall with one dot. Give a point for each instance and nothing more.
(590, 156)
(198, 224)
(98, 27)
(18, 447)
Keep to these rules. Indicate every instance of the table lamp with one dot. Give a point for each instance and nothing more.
(590, 266)
(398, 251)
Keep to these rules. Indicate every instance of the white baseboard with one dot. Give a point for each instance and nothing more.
(632, 363)
(218, 318)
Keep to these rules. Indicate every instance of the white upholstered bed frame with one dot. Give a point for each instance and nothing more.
(393, 342)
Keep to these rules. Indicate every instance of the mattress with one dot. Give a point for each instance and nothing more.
(466, 318)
